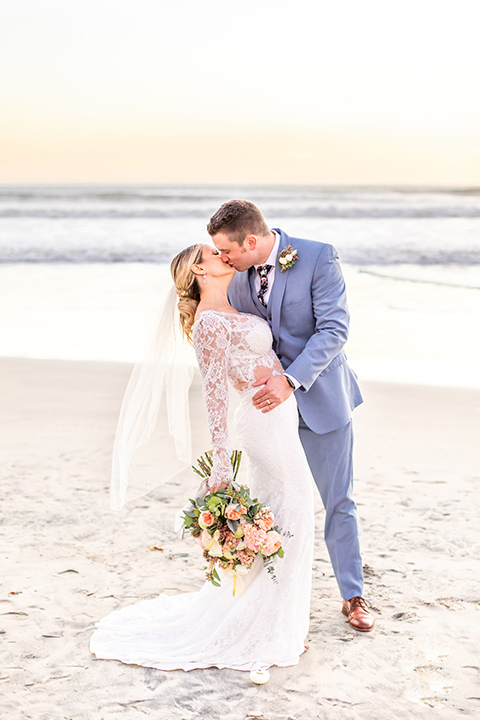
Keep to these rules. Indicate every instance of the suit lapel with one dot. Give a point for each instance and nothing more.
(278, 289)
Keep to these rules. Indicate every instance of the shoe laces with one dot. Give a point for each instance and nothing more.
(358, 601)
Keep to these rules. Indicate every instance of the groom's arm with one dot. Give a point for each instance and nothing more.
(331, 331)
(331, 320)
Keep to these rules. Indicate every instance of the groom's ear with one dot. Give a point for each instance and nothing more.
(250, 242)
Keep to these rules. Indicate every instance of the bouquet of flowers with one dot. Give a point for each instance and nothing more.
(232, 528)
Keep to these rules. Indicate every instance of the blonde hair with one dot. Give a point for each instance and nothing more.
(186, 285)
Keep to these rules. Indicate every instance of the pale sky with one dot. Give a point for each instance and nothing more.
(257, 91)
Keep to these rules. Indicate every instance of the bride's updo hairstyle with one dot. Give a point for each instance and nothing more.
(186, 285)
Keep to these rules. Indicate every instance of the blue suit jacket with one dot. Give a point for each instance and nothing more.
(307, 312)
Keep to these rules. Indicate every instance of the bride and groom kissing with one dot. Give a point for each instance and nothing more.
(268, 313)
(306, 308)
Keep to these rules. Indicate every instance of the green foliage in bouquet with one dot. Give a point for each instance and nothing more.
(231, 527)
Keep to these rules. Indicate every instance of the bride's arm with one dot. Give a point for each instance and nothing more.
(211, 341)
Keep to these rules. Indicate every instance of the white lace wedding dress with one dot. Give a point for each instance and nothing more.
(268, 623)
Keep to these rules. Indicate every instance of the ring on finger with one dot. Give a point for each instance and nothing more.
(269, 402)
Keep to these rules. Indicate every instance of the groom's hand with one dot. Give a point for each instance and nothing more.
(276, 389)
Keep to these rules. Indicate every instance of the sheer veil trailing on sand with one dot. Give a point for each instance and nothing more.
(153, 429)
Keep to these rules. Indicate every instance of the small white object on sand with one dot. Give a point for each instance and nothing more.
(259, 677)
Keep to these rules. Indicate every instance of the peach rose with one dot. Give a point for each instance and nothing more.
(272, 543)
(265, 522)
(232, 513)
(205, 519)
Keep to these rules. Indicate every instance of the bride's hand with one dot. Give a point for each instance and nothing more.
(276, 389)
(214, 486)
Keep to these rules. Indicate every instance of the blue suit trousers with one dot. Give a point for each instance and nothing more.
(329, 456)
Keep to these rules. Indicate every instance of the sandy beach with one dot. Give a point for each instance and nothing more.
(67, 560)
(124, 128)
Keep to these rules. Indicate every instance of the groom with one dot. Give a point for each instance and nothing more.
(298, 287)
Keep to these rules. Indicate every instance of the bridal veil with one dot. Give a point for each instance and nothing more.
(153, 437)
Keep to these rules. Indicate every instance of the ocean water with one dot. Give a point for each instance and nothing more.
(107, 223)
(83, 270)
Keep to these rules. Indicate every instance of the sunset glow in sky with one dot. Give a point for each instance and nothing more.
(255, 92)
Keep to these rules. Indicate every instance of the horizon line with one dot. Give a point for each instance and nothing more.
(425, 186)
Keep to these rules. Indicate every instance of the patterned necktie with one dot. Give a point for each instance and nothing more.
(263, 271)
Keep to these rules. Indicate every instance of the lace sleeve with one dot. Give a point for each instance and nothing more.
(211, 340)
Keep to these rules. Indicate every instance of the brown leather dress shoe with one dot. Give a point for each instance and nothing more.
(359, 617)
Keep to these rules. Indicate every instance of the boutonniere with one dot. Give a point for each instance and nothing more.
(287, 258)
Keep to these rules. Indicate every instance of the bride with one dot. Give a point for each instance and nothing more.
(267, 624)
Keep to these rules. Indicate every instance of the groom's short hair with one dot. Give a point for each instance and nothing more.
(237, 219)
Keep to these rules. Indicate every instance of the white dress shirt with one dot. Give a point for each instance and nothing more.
(272, 260)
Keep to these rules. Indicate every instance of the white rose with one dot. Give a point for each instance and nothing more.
(209, 540)
(282, 261)
(242, 570)
(288, 258)
(206, 539)
(215, 550)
